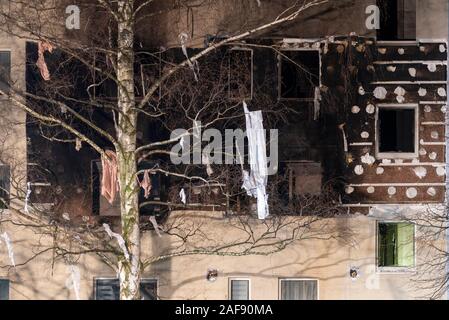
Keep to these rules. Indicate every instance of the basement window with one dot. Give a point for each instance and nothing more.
(298, 289)
(239, 289)
(396, 245)
(5, 176)
(109, 289)
(5, 70)
(240, 75)
(4, 289)
(299, 74)
(397, 131)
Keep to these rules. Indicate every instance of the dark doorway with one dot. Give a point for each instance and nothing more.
(397, 130)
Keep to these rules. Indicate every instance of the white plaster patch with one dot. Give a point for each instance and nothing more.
(400, 93)
(358, 170)
(355, 109)
(432, 192)
(386, 161)
(380, 93)
(444, 109)
(391, 69)
(442, 48)
(420, 172)
(422, 152)
(441, 171)
(349, 190)
(401, 51)
(380, 171)
(433, 156)
(422, 48)
(441, 92)
(364, 135)
(412, 193)
(412, 72)
(370, 109)
(361, 91)
(392, 191)
(382, 50)
(371, 190)
(368, 159)
(422, 92)
(432, 67)
(427, 109)
(399, 161)
(435, 135)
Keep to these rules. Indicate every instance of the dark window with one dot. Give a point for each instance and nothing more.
(396, 245)
(397, 20)
(109, 289)
(4, 186)
(5, 70)
(300, 74)
(240, 74)
(239, 289)
(4, 289)
(299, 290)
(397, 130)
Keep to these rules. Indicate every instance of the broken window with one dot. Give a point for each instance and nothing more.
(397, 130)
(397, 20)
(4, 186)
(240, 76)
(299, 289)
(109, 289)
(239, 289)
(299, 74)
(396, 245)
(5, 70)
(4, 289)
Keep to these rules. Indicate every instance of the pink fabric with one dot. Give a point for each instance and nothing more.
(146, 184)
(41, 64)
(109, 181)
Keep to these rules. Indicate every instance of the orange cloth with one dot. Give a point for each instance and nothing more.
(41, 64)
(146, 184)
(109, 181)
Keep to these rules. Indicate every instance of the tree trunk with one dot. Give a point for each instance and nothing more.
(129, 270)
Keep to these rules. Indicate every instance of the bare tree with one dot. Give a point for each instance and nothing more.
(106, 53)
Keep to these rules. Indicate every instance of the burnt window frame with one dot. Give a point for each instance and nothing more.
(230, 97)
(280, 58)
(397, 155)
(7, 85)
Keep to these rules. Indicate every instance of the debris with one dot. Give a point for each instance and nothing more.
(109, 182)
(41, 64)
(182, 195)
(119, 238)
(145, 184)
(9, 248)
(66, 216)
(258, 159)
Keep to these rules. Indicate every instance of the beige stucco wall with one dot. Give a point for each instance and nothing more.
(432, 19)
(329, 261)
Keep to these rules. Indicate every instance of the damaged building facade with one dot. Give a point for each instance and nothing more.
(365, 130)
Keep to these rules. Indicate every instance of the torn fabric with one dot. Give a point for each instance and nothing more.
(206, 161)
(119, 238)
(145, 184)
(73, 281)
(109, 182)
(27, 197)
(41, 64)
(256, 182)
(182, 195)
(316, 104)
(183, 37)
(9, 248)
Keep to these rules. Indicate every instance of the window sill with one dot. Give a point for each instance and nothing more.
(397, 155)
(396, 270)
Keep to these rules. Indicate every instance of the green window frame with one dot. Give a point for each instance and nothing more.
(396, 245)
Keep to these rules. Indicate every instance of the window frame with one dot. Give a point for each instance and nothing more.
(399, 269)
(117, 279)
(238, 279)
(8, 281)
(298, 279)
(3, 97)
(239, 48)
(397, 155)
(279, 71)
